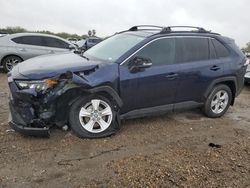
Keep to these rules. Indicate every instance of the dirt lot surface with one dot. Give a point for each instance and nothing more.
(166, 151)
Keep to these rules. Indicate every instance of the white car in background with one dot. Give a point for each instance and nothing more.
(18, 47)
(3, 34)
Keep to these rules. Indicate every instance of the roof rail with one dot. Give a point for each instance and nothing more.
(169, 29)
(146, 27)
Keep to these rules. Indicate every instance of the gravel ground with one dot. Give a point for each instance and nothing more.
(166, 151)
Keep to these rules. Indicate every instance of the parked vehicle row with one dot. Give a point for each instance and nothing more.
(88, 43)
(143, 71)
(19, 47)
(16, 48)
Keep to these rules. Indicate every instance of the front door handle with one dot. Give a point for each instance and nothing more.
(215, 68)
(171, 76)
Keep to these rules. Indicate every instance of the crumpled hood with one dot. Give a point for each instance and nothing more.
(54, 65)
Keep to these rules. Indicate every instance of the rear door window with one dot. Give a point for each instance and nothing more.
(220, 49)
(30, 40)
(192, 49)
(54, 43)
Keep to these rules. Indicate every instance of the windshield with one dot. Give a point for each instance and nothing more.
(114, 47)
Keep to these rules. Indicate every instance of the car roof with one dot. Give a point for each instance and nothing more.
(33, 34)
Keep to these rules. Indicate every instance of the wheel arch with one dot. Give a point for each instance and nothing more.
(4, 57)
(69, 97)
(231, 82)
(107, 92)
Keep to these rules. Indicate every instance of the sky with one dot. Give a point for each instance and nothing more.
(229, 18)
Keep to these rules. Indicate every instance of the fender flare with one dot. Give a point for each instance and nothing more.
(220, 80)
(108, 90)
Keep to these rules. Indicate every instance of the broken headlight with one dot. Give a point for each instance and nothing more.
(38, 85)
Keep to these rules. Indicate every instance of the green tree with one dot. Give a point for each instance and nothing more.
(12, 30)
(247, 48)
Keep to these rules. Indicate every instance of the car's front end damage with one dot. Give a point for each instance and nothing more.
(40, 103)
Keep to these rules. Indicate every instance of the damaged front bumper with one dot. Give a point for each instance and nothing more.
(34, 110)
(30, 131)
(33, 113)
(22, 118)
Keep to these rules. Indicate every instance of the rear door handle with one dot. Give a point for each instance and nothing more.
(215, 68)
(171, 76)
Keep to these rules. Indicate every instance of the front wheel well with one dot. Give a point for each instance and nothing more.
(66, 100)
(109, 97)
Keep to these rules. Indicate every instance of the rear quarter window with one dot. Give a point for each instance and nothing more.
(17, 40)
(220, 49)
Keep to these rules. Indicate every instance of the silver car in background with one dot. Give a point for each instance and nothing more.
(18, 47)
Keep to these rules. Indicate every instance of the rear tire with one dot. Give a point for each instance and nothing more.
(218, 101)
(10, 61)
(93, 117)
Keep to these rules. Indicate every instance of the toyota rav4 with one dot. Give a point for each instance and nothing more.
(146, 70)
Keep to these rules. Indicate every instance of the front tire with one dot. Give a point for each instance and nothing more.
(10, 61)
(218, 101)
(93, 117)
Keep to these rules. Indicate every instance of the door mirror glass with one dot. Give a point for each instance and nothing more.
(139, 63)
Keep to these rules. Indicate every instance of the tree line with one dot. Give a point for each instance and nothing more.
(12, 30)
(247, 48)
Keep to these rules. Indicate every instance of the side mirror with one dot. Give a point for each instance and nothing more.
(139, 63)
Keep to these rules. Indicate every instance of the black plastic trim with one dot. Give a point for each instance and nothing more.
(220, 80)
(110, 91)
(30, 131)
(147, 111)
(158, 110)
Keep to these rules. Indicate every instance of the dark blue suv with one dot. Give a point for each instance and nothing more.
(146, 70)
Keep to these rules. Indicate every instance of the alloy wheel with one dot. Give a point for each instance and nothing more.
(96, 116)
(10, 63)
(219, 102)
